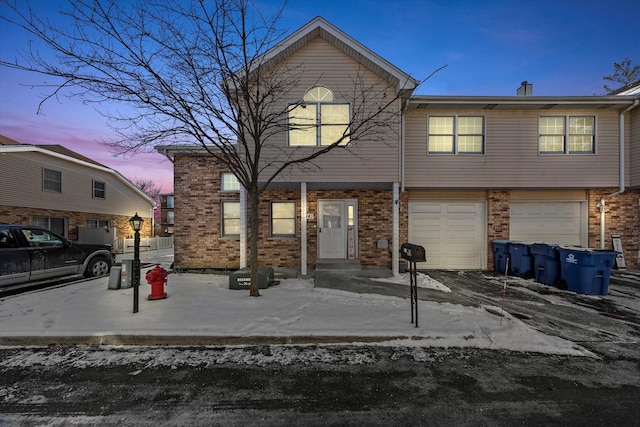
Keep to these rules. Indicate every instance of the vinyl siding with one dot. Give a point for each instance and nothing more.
(366, 160)
(511, 158)
(632, 128)
(21, 177)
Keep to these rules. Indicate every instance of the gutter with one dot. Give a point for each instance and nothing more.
(602, 204)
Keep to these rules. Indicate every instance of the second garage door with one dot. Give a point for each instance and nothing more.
(551, 222)
(452, 233)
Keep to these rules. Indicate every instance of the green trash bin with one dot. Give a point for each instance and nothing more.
(114, 277)
(241, 279)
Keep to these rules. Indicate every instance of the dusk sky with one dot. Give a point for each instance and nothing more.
(562, 47)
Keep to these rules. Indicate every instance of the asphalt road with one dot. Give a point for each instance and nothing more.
(337, 385)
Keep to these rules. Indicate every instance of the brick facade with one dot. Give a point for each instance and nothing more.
(622, 217)
(200, 245)
(498, 220)
(14, 215)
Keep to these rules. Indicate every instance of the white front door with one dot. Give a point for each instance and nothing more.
(332, 229)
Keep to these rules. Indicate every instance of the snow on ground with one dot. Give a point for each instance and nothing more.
(203, 305)
(423, 281)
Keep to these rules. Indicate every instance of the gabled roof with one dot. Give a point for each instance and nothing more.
(8, 145)
(630, 89)
(318, 27)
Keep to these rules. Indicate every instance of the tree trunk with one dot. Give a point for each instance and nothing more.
(254, 198)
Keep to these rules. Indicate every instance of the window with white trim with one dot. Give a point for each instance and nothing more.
(99, 190)
(319, 120)
(283, 219)
(230, 219)
(229, 182)
(455, 134)
(51, 180)
(97, 223)
(567, 135)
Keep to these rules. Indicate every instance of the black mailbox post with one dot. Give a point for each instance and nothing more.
(413, 253)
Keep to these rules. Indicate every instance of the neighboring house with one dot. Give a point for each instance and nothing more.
(63, 191)
(167, 215)
(460, 172)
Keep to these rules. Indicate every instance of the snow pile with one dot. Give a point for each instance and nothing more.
(423, 281)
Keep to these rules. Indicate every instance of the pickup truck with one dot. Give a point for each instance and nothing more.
(29, 253)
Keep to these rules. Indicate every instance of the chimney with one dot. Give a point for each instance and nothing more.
(525, 89)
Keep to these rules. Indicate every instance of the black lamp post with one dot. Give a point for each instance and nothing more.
(136, 224)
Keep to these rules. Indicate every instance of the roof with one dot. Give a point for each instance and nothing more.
(629, 89)
(319, 27)
(521, 102)
(8, 145)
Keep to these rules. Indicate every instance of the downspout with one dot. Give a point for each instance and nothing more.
(602, 204)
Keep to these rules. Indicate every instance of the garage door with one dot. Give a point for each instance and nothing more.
(550, 222)
(452, 233)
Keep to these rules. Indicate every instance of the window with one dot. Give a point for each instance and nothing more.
(99, 190)
(283, 219)
(319, 120)
(51, 180)
(97, 223)
(230, 219)
(567, 135)
(455, 135)
(170, 201)
(37, 237)
(57, 225)
(230, 182)
(170, 217)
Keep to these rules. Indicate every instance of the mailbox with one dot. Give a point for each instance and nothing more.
(413, 253)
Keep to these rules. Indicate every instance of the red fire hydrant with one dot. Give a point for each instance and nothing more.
(157, 278)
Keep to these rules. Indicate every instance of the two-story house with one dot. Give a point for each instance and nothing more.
(59, 189)
(456, 173)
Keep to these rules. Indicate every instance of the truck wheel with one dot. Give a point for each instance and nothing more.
(97, 267)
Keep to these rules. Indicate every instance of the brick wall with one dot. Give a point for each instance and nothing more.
(498, 220)
(622, 217)
(198, 242)
(21, 215)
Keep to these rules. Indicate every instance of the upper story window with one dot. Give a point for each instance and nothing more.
(99, 190)
(168, 202)
(319, 120)
(455, 134)
(51, 180)
(229, 182)
(567, 134)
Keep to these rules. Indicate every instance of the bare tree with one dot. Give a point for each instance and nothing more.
(148, 187)
(195, 72)
(623, 73)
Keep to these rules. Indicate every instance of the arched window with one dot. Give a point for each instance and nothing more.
(319, 120)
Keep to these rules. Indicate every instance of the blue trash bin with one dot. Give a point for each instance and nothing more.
(521, 261)
(546, 263)
(586, 271)
(500, 255)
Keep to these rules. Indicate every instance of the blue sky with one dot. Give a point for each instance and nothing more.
(563, 47)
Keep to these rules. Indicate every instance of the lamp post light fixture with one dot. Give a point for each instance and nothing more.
(136, 224)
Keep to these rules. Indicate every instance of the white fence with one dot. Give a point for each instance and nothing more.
(124, 245)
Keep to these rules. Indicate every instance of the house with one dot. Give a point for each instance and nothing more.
(457, 173)
(167, 215)
(56, 188)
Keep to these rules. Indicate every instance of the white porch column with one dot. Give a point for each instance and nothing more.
(395, 246)
(243, 227)
(303, 228)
